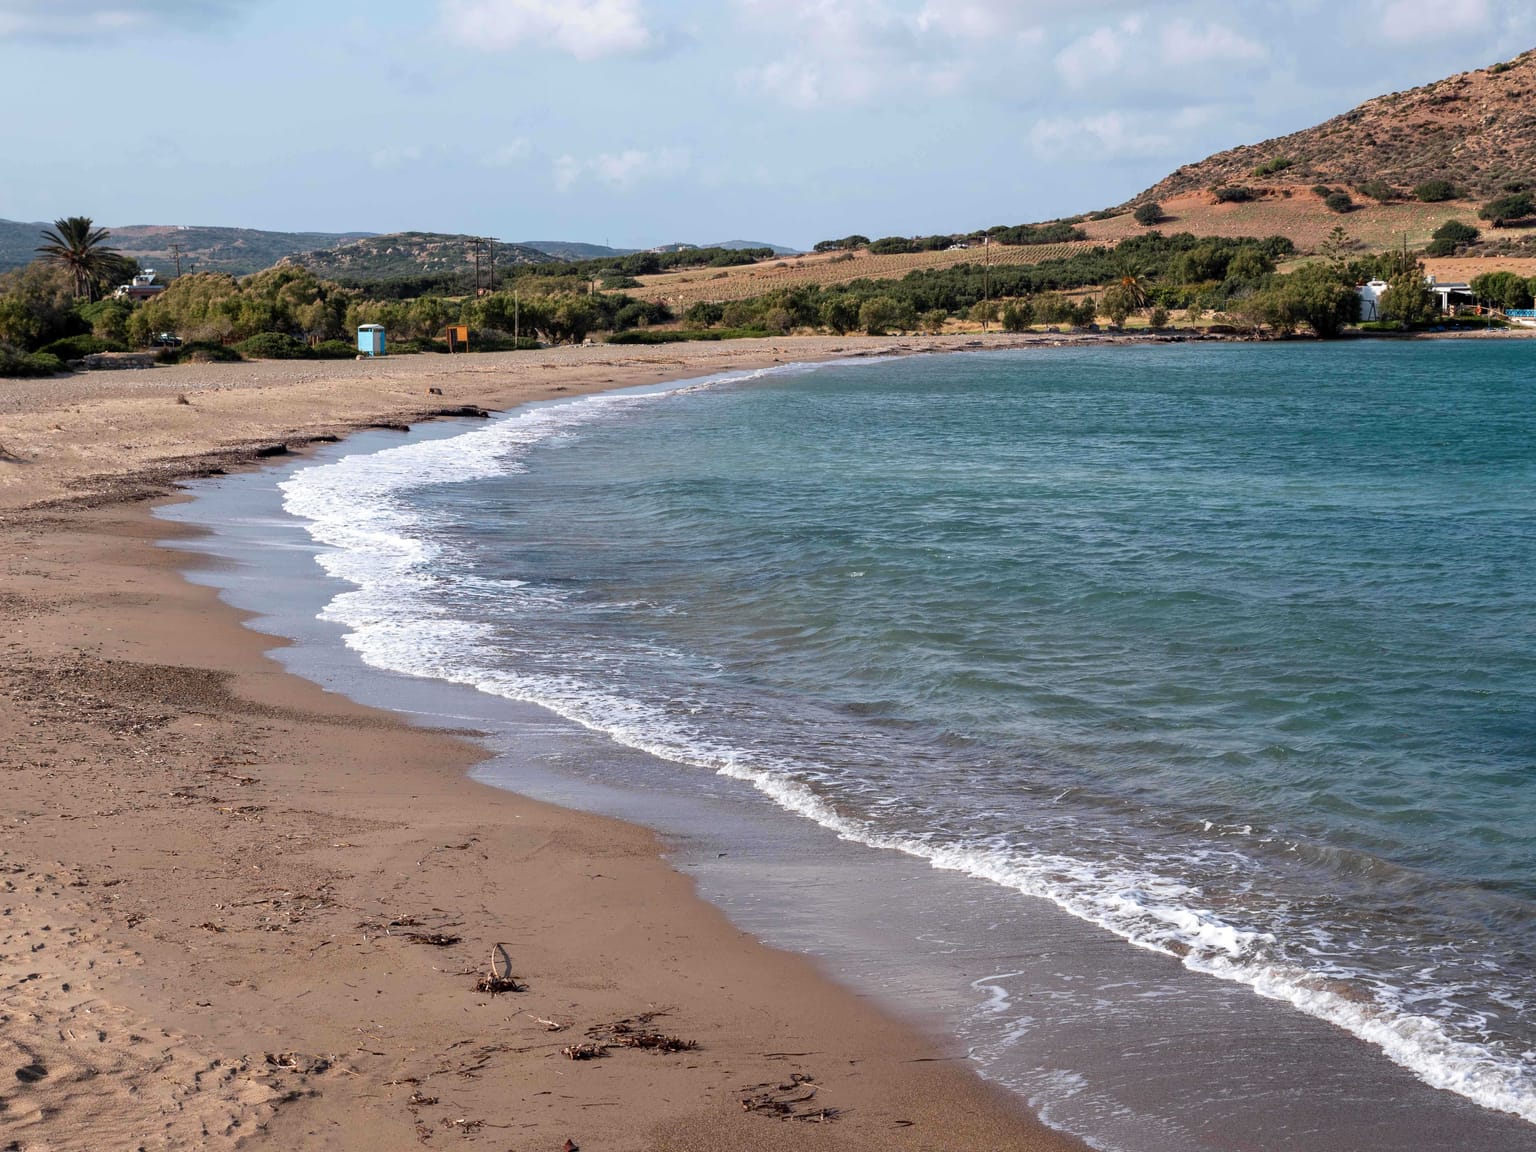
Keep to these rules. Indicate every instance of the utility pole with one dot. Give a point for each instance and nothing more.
(987, 284)
(176, 256)
(491, 243)
(475, 249)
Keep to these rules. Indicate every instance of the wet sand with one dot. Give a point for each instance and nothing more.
(245, 912)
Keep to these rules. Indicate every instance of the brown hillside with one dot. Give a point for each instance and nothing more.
(1477, 130)
(697, 285)
(1297, 213)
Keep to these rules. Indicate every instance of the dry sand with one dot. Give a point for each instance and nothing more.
(221, 882)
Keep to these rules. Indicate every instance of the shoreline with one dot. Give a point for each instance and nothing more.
(213, 862)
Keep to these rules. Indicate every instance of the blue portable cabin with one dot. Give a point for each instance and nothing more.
(370, 339)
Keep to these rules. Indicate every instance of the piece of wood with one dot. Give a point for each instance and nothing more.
(501, 962)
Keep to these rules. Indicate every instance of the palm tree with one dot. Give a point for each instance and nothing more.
(74, 244)
(1131, 278)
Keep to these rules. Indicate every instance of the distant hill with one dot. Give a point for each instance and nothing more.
(1476, 130)
(238, 251)
(575, 250)
(405, 254)
(17, 241)
(729, 245)
(738, 245)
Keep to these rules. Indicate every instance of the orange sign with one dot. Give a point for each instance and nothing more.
(457, 335)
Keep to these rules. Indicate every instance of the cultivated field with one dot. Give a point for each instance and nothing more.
(1460, 269)
(722, 285)
(1301, 216)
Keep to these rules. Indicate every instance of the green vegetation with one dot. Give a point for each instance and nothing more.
(79, 347)
(15, 363)
(1508, 209)
(1149, 214)
(1020, 235)
(1340, 202)
(1437, 192)
(846, 244)
(1504, 290)
(1408, 299)
(1450, 236)
(274, 346)
(74, 243)
(1315, 295)
(682, 335)
(1378, 190)
(1273, 167)
(1234, 194)
(201, 352)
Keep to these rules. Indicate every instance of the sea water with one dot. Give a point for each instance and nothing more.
(1228, 652)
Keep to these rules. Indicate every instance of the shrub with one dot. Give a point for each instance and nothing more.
(1436, 192)
(620, 280)
(1457, 232)
(1234, 194)
(1022, 235)
(1159, 318)
(14, 363)
(683, 335)
(1149, 214)
(933, 321)
(846, 244)
(705, 314)
(1018, 316)
(1508, 209)
(1378, 190)
(79, 347)
(892, 246)
(1504, 289)
(879, 315)
(1270, 167)
(200, 352)
(1340, 202)
(1323, 191)
(274, 346)
(333, 350)
(1450, 236)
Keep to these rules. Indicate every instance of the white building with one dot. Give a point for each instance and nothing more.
(1370, 299)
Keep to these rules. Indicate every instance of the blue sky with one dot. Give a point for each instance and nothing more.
(639, 122)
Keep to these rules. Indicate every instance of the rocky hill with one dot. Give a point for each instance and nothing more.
(1476, 131)
(238, 251)
(409, 254)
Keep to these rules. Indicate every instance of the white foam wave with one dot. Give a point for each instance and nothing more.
(397, 620)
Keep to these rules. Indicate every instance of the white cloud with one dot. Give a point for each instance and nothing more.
(509, 155)
(849, 52)
(75, 20)
(622, 169)
(1098, 55)
(1185, 42)
(971, 19)
(586, 29)
(395, 156)
(1103, 136)
(1118, 134)
(1413, 21)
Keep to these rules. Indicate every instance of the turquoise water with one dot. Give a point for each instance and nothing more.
(1230, 650)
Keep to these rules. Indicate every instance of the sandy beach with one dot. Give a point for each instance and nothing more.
(245, 912)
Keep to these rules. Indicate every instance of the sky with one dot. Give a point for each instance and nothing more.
(643, 122)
